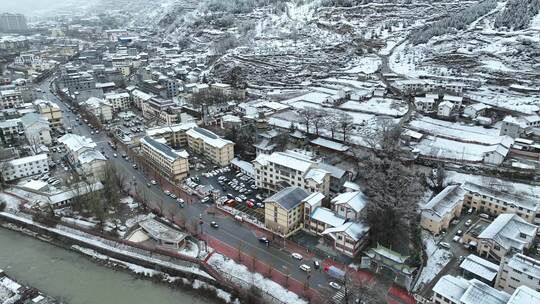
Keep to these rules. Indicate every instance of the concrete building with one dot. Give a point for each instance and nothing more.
(175, 135)
(36, 129)
(78, 82)
(475, 267)
(10, 99)
(457, 290)
(517, 269)
(13, 23)
(119, 101)
(25, 166)
(348, 238)
(495, 202)
(50, 111)
(100, 108)
(161, 110)
(169, 163)
(220, 151)
(163, 234)
(290, 168)
(283, 211)
(506, 233)
(11, 131)
(83, 154)
(139, 98)
(437, 214)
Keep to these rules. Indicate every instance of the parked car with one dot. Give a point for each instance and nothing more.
(444, 245)
(335, 285)
(167, 192)
(305, 268)
(264, 240)
(316, 264)
(173, 196)
(214, 224)
(459, 232)
(468, 222)
(297, 256)
(483, 215)
(153, 182)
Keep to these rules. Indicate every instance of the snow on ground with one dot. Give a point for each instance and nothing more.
(79, 222)
(496, 183)
(437, 258)
(443, 148)
(190, 249)
(240, 271)
(380, 106)
(130, 222)
(129, 202)
(12, 203)
(510, 100)
(367, 65)
(457, 131)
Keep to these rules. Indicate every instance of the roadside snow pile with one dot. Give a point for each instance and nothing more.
(241, 272)
(437, 258)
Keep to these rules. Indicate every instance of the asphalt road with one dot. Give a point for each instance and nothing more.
(229, 231)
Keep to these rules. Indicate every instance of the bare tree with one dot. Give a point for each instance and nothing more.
(330, 123)
(345, 124)
(318, 119)
(306, 115)
(355, 291)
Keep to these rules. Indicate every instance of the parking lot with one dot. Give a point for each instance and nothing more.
(235, 189)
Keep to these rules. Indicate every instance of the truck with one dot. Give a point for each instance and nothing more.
(335, 272)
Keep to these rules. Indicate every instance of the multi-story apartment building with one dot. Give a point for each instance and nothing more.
(494, 202)
(139, 98)
(349, 205)
(169, 163)
(11, 131)
(10, 99)
(78, 81)
(457, 290)
(506, 233)
(283, 211)
(82, 152)
(100, 108)
(442, 209)
(13, 23)
(50, 111)
(118, 101)
(517, 269)
(36, 129)
(174, 135)
(220, 151)
(290, 168)
(24, 167)
(161, 110)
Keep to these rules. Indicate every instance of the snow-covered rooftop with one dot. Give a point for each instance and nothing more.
(480, 267)
(208, 137)
(525, 264)
(524, 295)
(288, 198)
(356, 200)
(327, 216)
(444, 202)
(319, 141)
(507, 229)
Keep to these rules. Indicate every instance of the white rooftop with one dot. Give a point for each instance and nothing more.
(357, 200)
(480, 267)
(27, 159)
(506, 230)
(327, 216)
(524, 295)
(444, 202)
(208, 137)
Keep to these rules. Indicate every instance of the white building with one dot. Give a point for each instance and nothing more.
(457, 290)
(426, 104)
(118, 101)
(290, 168)
(518, 270)
(445, 109)
(82, 152)
(349, 205)
(220, 151)
(10, 99)
(26, 166)
(139, 98)
(100, 108)
(36, 129)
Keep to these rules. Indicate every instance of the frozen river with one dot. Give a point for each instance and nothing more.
(72, 278)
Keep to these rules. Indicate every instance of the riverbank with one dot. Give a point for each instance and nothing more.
(11, 291)
(178, 276)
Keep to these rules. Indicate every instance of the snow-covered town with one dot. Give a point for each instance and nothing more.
(270, 151)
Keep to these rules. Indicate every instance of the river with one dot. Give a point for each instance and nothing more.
(72, 278)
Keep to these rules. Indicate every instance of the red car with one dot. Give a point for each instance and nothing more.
(250, 204)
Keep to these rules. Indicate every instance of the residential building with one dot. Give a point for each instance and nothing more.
(169, 163)
(348, 238)
(139, 98)
(36, 129)
(507, 232)
(496, 154)
(100, 108)
(495, 202)
(175, 135)
(82, 153)
(11, 131)
(25, 166)
(476, 109)
(283, 211)
(161, 110)
(78, 81)
(10, 99)
(475, 267)
(446, 109)
(338, 176)
(426, 104)
(50, 111)
(439, 212)
(516, 270)
(13, 23)
(525, 295)
(290, 168)
(457, 290)
(119, 101)
(349, 205)
(220, 151)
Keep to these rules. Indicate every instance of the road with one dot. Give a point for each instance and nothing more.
(230, 232)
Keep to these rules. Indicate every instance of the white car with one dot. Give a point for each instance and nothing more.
(297, 256)
(305, 268)
(167, 192)
(335, 285)
(153, 182)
